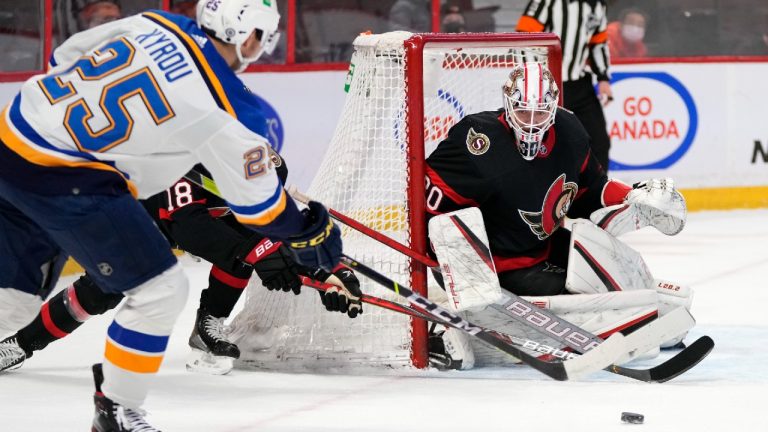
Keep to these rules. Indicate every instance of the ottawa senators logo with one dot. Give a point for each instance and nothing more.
(477, 143)
(559, 198)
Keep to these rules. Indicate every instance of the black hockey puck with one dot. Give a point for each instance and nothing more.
(634, 418)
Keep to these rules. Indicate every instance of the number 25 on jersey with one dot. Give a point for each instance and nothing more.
(113, 57)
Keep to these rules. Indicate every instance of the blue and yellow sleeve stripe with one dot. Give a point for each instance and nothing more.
(264, 213)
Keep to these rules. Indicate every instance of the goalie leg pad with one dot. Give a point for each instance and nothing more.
(599, 262)
(601, 314)
(606, 313)
(671, 296)
(461, 245)
(451, 349)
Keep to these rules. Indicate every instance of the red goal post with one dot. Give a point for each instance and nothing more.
(404, 91)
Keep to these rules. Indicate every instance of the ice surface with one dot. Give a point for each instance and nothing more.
(723, 255)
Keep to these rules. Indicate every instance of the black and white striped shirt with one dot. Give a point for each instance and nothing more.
(581, 25)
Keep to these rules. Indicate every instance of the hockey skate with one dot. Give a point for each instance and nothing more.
(449, 349)
(211, 352)
(111, 416)
(12, 355)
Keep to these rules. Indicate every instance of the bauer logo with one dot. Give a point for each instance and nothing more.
(652, 121)
(275, 131)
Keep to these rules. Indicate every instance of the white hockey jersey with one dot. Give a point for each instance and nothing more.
(133, 105)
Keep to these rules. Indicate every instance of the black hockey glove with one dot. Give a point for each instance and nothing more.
(320, 243)
(275, 266)
(346, 297)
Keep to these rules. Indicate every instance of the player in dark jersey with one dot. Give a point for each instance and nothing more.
(526, 167)
(199, 223)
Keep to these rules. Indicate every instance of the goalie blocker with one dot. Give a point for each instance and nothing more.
(612, 288)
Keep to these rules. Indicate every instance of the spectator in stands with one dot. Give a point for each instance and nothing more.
(625, 36)
(185, 7)
(453, 20)
(93, 13)
(411, 15)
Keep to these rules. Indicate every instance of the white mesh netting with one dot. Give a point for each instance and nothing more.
(364, 175)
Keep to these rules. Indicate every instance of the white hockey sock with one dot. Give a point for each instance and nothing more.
(138, 336)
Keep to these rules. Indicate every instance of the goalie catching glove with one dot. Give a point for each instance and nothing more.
(655, 202)
(320, 243)
(345, 298)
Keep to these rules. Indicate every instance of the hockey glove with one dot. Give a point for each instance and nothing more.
(345, 298)
(320, 243)
(654, 203)
(274, 266)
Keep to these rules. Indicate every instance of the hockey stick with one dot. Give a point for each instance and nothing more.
(365, 298)
(597, 358)
(419, 313)
(673, 367)
(666, 371)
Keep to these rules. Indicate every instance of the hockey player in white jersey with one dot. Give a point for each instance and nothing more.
(126, 109)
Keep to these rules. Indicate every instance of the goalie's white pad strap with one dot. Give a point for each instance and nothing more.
(461, 245)
(599, 262)
(655, 202)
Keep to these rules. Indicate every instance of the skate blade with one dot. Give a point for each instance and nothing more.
(199, 361)
(12, 367)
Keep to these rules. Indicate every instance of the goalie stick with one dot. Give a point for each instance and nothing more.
(680, 363)
(419, 313)
(663, 372)
(597, 358)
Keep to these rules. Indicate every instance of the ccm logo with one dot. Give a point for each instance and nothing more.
(314, 241)
(552, 326)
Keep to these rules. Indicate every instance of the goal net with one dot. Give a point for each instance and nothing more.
(404, 92)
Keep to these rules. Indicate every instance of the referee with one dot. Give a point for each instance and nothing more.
(581, 26)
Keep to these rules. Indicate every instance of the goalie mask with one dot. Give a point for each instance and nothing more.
(233, 21)
(530, 102)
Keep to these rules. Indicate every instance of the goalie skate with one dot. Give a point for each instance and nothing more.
(212, 353)
(12, 356)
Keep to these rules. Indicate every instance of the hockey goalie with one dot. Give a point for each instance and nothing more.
(499, 189)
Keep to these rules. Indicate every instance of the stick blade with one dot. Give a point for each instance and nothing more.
(687, 359)
(597, 358)
(653, 334)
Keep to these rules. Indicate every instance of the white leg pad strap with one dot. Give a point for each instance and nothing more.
(17, 309)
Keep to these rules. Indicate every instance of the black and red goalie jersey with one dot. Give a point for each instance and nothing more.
(523, 202)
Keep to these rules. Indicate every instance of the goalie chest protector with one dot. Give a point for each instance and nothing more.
(522, 202)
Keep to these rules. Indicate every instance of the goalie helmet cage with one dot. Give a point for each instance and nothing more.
(404, 91)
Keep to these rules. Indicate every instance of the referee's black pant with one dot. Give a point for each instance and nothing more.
(579, 96)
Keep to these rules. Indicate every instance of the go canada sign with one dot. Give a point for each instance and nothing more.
(652, 121)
